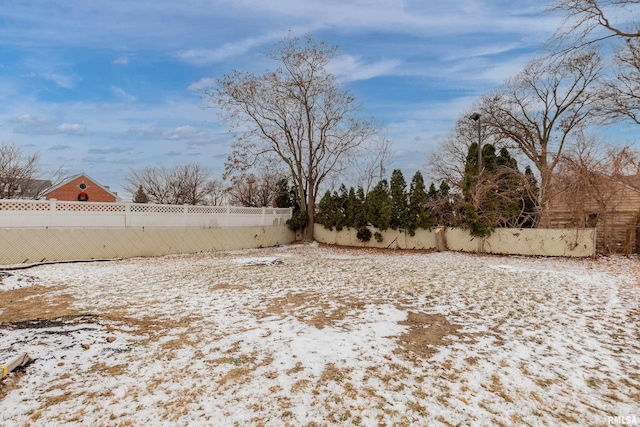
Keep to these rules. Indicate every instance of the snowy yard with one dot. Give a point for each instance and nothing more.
(320, 336)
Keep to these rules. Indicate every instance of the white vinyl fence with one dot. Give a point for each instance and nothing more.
(59, 214)
(530, 241)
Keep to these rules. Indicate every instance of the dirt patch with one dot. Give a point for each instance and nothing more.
(224, 286)
(237, 375)
(426, 333)
(56, 322)
(35, 302)
(314, 309)
(332, 373)
(11, 382)
(307, 308)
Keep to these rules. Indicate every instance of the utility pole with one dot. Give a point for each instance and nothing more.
(476, 117)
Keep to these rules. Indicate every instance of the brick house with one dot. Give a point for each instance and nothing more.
(610, 205)
(80, 188)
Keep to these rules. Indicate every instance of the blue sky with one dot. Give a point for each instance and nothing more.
(104, 86)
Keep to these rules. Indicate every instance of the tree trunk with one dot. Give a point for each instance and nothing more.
(441, 244)
(544, 220)
(311, 211)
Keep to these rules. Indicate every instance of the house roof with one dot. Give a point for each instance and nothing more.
(28, 187)
(631, 182)
(74, 177)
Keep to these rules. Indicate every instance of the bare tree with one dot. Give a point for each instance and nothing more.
(254, 190)
(584, 19)
(191, 180)
(585, 184)
(215, 193)
(614, 24)
(540, 107)
(19, 174)
(176, 185)
(621, 93)
(373, 158)
(447, 162)
(297, 115)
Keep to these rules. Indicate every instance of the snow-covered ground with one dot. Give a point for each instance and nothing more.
(308, 335)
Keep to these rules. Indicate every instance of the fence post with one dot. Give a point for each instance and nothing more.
(264, 215)
(127, 215)
(228, 216)
(52, 213)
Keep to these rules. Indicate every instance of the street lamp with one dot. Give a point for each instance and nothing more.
(476, 117)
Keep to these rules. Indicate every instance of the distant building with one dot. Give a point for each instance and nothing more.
(611, 206)
(22, 188)
(80, 188)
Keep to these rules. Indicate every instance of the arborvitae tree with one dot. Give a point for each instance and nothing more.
(340, 201)
(355, 210)
(339, 220)
(362, 202)
(343, 197)
(286, 197)
(140, 196)
(440, 205)
(399, 205)
(325, 211)
(432, 193)
(379, 206)
(479, 207)
(501, 197)
(477, 226)
(470, 171)
(419, 215)
(444, 189)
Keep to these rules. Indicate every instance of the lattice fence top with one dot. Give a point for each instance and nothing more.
(245, 211)
(24, 205)
(9, 205)
(148, 208)
(207, 209)
(89, 207)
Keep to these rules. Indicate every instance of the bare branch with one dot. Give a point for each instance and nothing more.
(177, 185)
(540, 107)
(295, 116)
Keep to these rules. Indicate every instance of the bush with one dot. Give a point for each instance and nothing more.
(298, 221)
(476, 226)
(364, 234)
(378, 236)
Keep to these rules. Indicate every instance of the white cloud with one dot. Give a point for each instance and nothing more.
(59, 147)
(122, 94)
(201, 56)
(352, 68)
(110, 150)
(66, 81)
(28, 118)
(183, 133)
(122, 60)
(29, 124)
(203, 83)
(71, 129)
